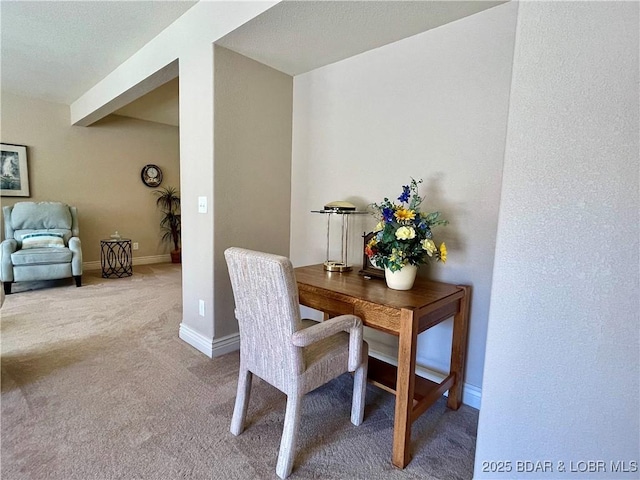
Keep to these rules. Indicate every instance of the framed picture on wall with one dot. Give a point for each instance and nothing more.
(14, 175)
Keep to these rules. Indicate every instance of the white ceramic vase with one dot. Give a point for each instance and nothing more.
(401, 279)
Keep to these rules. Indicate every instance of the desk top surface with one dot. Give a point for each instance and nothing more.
(374, 290)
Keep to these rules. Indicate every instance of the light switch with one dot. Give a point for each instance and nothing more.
(202, 204)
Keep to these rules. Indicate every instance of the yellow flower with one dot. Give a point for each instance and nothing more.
(397, 255)
(405, 233)
(404, 214)
(429, 246)
(379, 226)
(443, 252)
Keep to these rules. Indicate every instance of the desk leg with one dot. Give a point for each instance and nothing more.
(458, 348)
(405, 385)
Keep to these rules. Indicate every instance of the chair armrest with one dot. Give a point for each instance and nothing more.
(343, 323)
(9, 246)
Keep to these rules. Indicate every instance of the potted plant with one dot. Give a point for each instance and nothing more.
(403, 238)
(169, 203)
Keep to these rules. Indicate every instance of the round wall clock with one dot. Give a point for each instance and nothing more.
(151, 175)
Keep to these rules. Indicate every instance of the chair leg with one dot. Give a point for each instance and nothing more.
(289, 434)
(7, 288)
(360, 389)
(359, 394)
(242, 401)
(78, 280)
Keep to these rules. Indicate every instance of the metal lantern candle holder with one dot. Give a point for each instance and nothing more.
(344, 210)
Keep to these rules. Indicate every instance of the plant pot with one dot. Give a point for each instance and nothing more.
(176, 256)
(401, 279)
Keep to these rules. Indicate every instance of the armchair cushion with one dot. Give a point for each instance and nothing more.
(19, 235)
(42, 240)
(47, 215)
(41, 256)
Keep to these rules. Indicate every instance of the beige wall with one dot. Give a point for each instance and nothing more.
(432, 106)
(562, 375)
(160, 105)
(252, 179)
(95, 168)
(196, 180)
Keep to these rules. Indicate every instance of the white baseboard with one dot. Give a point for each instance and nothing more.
(149, 259)
(210, 347)
(471, 395)
(196, 340)
(86, 266)
(136, 261)
(227, 344)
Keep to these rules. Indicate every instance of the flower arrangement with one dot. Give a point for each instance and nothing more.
(403, 234)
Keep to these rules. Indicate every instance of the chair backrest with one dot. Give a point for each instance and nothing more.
(268, 312)
(29, 217)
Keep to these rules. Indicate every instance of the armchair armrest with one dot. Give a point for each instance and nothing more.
(343, 323)
(9, 246)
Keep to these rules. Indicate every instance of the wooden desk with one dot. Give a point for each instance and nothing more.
(404, 314)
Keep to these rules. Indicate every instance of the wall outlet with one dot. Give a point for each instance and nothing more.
(135, 245)
(202, 204)
(201, 307)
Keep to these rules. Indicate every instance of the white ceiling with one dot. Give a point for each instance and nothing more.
(57, 50)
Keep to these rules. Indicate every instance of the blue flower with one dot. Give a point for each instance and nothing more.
(387, 214)
(404, 197)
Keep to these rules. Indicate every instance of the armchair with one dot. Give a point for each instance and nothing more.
(296, 356)
(41, 243)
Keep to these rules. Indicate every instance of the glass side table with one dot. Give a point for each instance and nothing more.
(115, 258)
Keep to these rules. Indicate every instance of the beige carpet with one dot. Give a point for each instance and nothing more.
(97, 385)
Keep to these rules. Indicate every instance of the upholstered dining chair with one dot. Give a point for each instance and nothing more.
(296, 356)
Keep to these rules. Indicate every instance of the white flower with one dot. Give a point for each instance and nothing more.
(405, 233)
(379, 226)
(429, 246)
